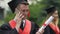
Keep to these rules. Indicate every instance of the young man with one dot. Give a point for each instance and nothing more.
(19, 25)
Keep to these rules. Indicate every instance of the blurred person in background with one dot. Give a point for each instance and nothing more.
(52, 28)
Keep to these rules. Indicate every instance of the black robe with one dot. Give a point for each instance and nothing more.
(6, 29)
(48, 30)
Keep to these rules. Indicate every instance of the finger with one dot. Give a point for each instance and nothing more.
(19, 19)
(43, 31)
(20, 15)
(38, 33)
(19, 11)
(17, 14)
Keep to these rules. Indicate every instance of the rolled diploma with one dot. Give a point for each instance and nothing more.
(46, 23)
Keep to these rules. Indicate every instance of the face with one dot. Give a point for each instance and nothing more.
(55, 14)
(23, 9)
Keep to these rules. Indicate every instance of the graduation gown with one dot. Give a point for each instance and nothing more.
(51, 29)
(6, 29)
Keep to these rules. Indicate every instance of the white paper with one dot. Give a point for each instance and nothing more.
(46, 23)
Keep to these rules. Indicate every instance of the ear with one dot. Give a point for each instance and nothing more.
(28, 14)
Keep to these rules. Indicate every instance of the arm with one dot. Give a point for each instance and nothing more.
(18, 19)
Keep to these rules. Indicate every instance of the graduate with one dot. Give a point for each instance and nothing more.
(52, 28)
(19, 25)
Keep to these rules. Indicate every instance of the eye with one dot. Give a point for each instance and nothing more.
(27, 10)
(23, 10)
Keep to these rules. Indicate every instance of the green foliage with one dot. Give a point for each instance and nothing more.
(9, 16)
(1, 22)
(38, 13)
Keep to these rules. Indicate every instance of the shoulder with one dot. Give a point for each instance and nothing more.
(5, 26)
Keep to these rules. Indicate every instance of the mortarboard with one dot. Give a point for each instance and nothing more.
(13, 4)
(51, 9)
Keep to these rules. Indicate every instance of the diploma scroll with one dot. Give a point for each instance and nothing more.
(46, 23)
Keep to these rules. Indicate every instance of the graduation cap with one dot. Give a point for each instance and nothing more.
(50, 9)
(13, 4)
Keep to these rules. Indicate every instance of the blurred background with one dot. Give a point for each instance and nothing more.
(37, 10)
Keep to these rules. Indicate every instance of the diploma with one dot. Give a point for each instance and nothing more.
(46, 23)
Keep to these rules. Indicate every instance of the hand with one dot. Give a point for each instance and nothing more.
(18, 19)
(40, 32)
